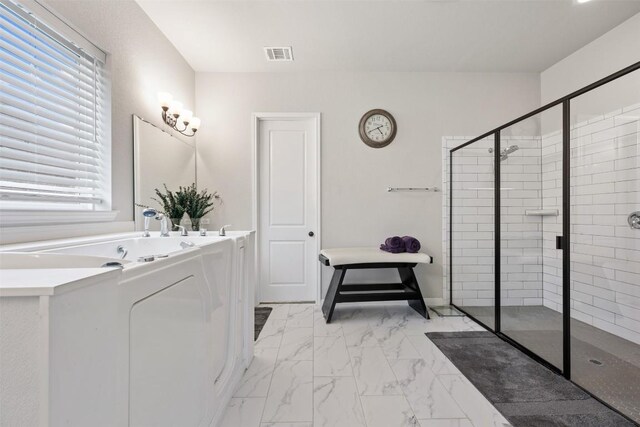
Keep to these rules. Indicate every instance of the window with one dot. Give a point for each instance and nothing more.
(54, 115)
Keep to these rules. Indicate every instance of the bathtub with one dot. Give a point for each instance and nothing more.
(134, 248)
(164, 341)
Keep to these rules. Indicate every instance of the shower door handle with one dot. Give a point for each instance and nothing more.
(634, 220)
(559, 242)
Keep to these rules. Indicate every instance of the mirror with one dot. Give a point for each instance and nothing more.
(159, 158)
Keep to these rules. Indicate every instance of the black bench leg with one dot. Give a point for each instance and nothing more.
(330, 299)
(409, 279)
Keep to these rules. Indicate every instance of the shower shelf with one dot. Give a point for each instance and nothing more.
(542, 212)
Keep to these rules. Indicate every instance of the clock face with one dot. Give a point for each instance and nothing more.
(377, 128)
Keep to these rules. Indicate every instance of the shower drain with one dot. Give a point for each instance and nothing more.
(595, 362)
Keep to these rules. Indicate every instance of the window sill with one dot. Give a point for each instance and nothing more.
(18, 218)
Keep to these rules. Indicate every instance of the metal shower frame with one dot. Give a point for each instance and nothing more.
(563, 242)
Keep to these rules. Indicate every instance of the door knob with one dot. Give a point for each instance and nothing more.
(634, 220)
(311, 234)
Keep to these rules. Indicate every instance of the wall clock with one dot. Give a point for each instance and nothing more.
(377, 128)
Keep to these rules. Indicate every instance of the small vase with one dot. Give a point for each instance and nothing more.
(175, 224)
(195, 224)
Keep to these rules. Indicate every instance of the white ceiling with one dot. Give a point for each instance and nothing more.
(384, 35)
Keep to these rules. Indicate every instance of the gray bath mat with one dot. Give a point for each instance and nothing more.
(261, 315)
(524, 391)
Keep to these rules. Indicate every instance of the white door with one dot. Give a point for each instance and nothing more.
(288, 208)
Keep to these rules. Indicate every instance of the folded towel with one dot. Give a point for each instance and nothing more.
(394, 245)
(394, 242)
(411, 244)
(389, 249)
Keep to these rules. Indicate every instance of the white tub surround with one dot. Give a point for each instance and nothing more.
(152, 343)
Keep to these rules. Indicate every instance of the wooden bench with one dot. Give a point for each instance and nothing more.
(344, 259)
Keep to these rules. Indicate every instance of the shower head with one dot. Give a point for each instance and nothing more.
(510, 149)
(504, 154)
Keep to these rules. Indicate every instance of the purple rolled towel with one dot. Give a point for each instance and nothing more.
(394, 242)
(394, 245)
(392, 250)
(411, 244)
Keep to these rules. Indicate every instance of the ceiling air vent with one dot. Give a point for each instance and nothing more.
(279, 53)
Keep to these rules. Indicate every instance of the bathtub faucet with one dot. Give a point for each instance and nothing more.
(223, 230)
(164, 225)
(148, 213)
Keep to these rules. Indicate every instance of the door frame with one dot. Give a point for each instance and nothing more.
(256, 118)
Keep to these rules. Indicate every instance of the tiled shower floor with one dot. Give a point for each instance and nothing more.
(604, 364)
(371, 367)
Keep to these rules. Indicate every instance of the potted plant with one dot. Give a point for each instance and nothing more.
(197, 204)
(173, 204)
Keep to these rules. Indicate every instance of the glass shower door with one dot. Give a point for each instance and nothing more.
(605, 243)
(472, 223)
(530, 162)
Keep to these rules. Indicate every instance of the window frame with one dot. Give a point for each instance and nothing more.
(66, 34)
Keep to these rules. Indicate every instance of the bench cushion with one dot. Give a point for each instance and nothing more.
(345, 256)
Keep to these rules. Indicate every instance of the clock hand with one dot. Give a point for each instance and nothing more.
(376, 129)
(379, 130)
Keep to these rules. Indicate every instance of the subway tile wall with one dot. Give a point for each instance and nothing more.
(605, 188)
(473, 222)
(605, 251)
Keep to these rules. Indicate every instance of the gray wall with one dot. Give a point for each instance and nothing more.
(356, 209)
(142, 62)
(607, 54)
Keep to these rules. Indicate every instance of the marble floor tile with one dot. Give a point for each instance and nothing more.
(290, 396)
(330, 357)
(436, 360)
(452, 422)
(372, 372)
(286, 425)
(371, 366)
(271, 334)
(279, 311)
(300, 316)
(243, 411)
(395, 344)
(297, 344)
(386, 411)
(323, 329)
(256, 379)
(336, 403)
(356, 312)
(359, 335)
(477, 408)
(426, 395)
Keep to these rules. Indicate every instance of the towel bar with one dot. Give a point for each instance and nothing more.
(395, 189)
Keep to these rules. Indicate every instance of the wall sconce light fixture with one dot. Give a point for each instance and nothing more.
(176, 116)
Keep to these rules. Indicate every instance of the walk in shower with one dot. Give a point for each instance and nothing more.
(544, 235)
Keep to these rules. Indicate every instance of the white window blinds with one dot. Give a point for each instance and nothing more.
(54, 136)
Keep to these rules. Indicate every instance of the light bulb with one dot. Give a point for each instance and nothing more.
(165, 98)
(195, 123)
(185, 116)
(175, 108)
